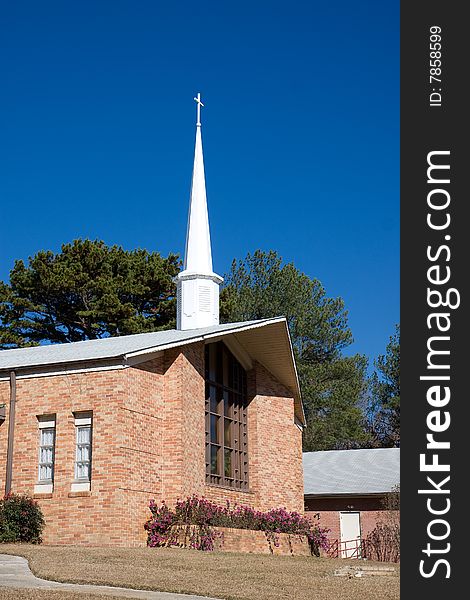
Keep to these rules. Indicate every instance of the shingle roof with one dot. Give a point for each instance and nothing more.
(365, 471)
(112, 347)
(271, 348)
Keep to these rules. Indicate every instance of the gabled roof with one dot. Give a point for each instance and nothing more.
(351, 472)
(271, 347)
(111, 347)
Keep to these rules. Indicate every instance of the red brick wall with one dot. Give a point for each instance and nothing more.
(370, 509)
(274, 449)
(4, 399)
(243, 540)
(141, 426)
(279, 446)
(148, 443)
(89, 517)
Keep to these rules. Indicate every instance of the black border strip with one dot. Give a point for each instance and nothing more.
(434, 124)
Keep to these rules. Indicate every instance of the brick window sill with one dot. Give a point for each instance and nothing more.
(43, 496)
(43, 489)
(80, 486)
(227, 487)
(79, 494)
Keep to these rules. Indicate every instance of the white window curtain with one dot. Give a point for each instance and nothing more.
(83, 453)
(46, 454)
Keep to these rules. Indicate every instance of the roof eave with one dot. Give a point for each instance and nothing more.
(50, 369)
(144, 354)
(299, 393)
(131, 358)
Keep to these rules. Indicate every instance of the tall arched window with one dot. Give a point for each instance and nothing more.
(226, 410)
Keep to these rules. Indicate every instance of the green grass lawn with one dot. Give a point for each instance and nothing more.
(217, 574)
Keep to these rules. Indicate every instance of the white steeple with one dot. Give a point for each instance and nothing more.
(197, 284)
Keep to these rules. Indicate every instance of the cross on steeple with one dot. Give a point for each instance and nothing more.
(199, 104)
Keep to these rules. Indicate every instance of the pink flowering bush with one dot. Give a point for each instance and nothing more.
(159, 525)
(204, 514)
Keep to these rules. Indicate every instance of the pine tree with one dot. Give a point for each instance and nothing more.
(384, 400)
(332, 385)
(87, 290)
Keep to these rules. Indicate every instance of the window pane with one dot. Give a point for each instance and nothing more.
(46, 455)
(45, 473)
(228, 432)
(226, 438)
(83, 435)
(236, 464)
(82, 470)
(212, 362)
(214, 460)
(220, 401)
(235, 376)
(214, 428)
(228, 404)
(47, 437)
(213, 395)
(219, 359)
(228, 462)
(226, 365)
(83, 453)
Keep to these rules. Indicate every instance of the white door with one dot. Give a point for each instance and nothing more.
(350, 528)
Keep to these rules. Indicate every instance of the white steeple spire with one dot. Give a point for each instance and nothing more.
(198, 255)
(197, 284)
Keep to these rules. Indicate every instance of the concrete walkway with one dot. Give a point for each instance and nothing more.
(15, 573)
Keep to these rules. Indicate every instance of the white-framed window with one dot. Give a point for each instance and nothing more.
(83, 451)
(46, 455)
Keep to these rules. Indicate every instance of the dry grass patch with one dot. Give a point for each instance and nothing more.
(215, 574)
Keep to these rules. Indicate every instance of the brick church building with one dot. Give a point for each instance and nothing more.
(96, 429)
(350, 491)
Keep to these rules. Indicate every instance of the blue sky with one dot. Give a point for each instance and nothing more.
(300, 134)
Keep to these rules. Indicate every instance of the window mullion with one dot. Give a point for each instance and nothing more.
(226, 455)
